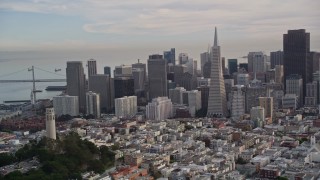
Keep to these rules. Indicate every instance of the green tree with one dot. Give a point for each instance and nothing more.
(6, 159)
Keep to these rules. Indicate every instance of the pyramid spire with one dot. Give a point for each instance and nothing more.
(215, 43)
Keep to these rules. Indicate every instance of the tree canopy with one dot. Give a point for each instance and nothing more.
(61, 159)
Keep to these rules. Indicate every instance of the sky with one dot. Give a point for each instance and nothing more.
(147, 26)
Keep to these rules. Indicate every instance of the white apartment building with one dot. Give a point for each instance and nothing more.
(126, 106)
(159, 109)
(93, 104)
(237, 102)
(66, 104)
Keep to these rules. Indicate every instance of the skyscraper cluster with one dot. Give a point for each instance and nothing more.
(285, 78)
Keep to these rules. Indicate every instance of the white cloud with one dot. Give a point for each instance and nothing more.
(169, 17)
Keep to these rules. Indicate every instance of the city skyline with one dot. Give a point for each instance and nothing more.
(145, 28)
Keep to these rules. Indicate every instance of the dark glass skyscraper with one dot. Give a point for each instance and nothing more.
(170, 56)
(107, 70)
(276, 58)
(157, 70)
(296, 55)
(103, 84)
(123, 86)
(76, 83)
(233, 66)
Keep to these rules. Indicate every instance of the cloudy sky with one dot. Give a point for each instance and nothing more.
(153, 26)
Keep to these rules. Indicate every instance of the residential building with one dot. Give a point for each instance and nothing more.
(66, 104)
(294, 85)
(159, 109)
(126, 106)
(93, 104)
(290, 101)
(176, 95)
(311, 98)
(267, 104)
(237, 102)
(257, 115)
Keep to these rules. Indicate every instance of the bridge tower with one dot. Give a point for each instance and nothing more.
(33, 91)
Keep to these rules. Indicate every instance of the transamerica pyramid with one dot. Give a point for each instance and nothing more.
(217, 103)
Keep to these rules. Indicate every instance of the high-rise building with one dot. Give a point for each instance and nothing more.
(123, 86)
(186, 80)
(66, 104)
(204, 58)
(141, 66)
(138, 75)
(76, 82)
(191, 66)
(204, 96)
(257, 116)
(93, 104)
(294, 85)
(50, 123)
(159, 108)
(207, 70)
(176, 95)
(104, 86)
(217, 103)
(315, 56)
(244, 66)
(257, 62)
(279, 74)
(276, 58)
(232, 65)
(194, 99)
(107, 70)
(311, 98)
(126, 106)
(183, 58)
(267, 104)
(223, 64)
(252, 96)
(157, 70)
(237, 102)
(92, 67)
(122, 71)
(296, 55)
(270, 75)
(243, 79)
(170, 56)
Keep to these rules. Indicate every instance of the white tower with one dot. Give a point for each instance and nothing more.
(217, 103)
(50, 123)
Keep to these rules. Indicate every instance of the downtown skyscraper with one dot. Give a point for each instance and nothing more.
(76, 83)
(296, 55)
(157, 69)
(217, 103)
